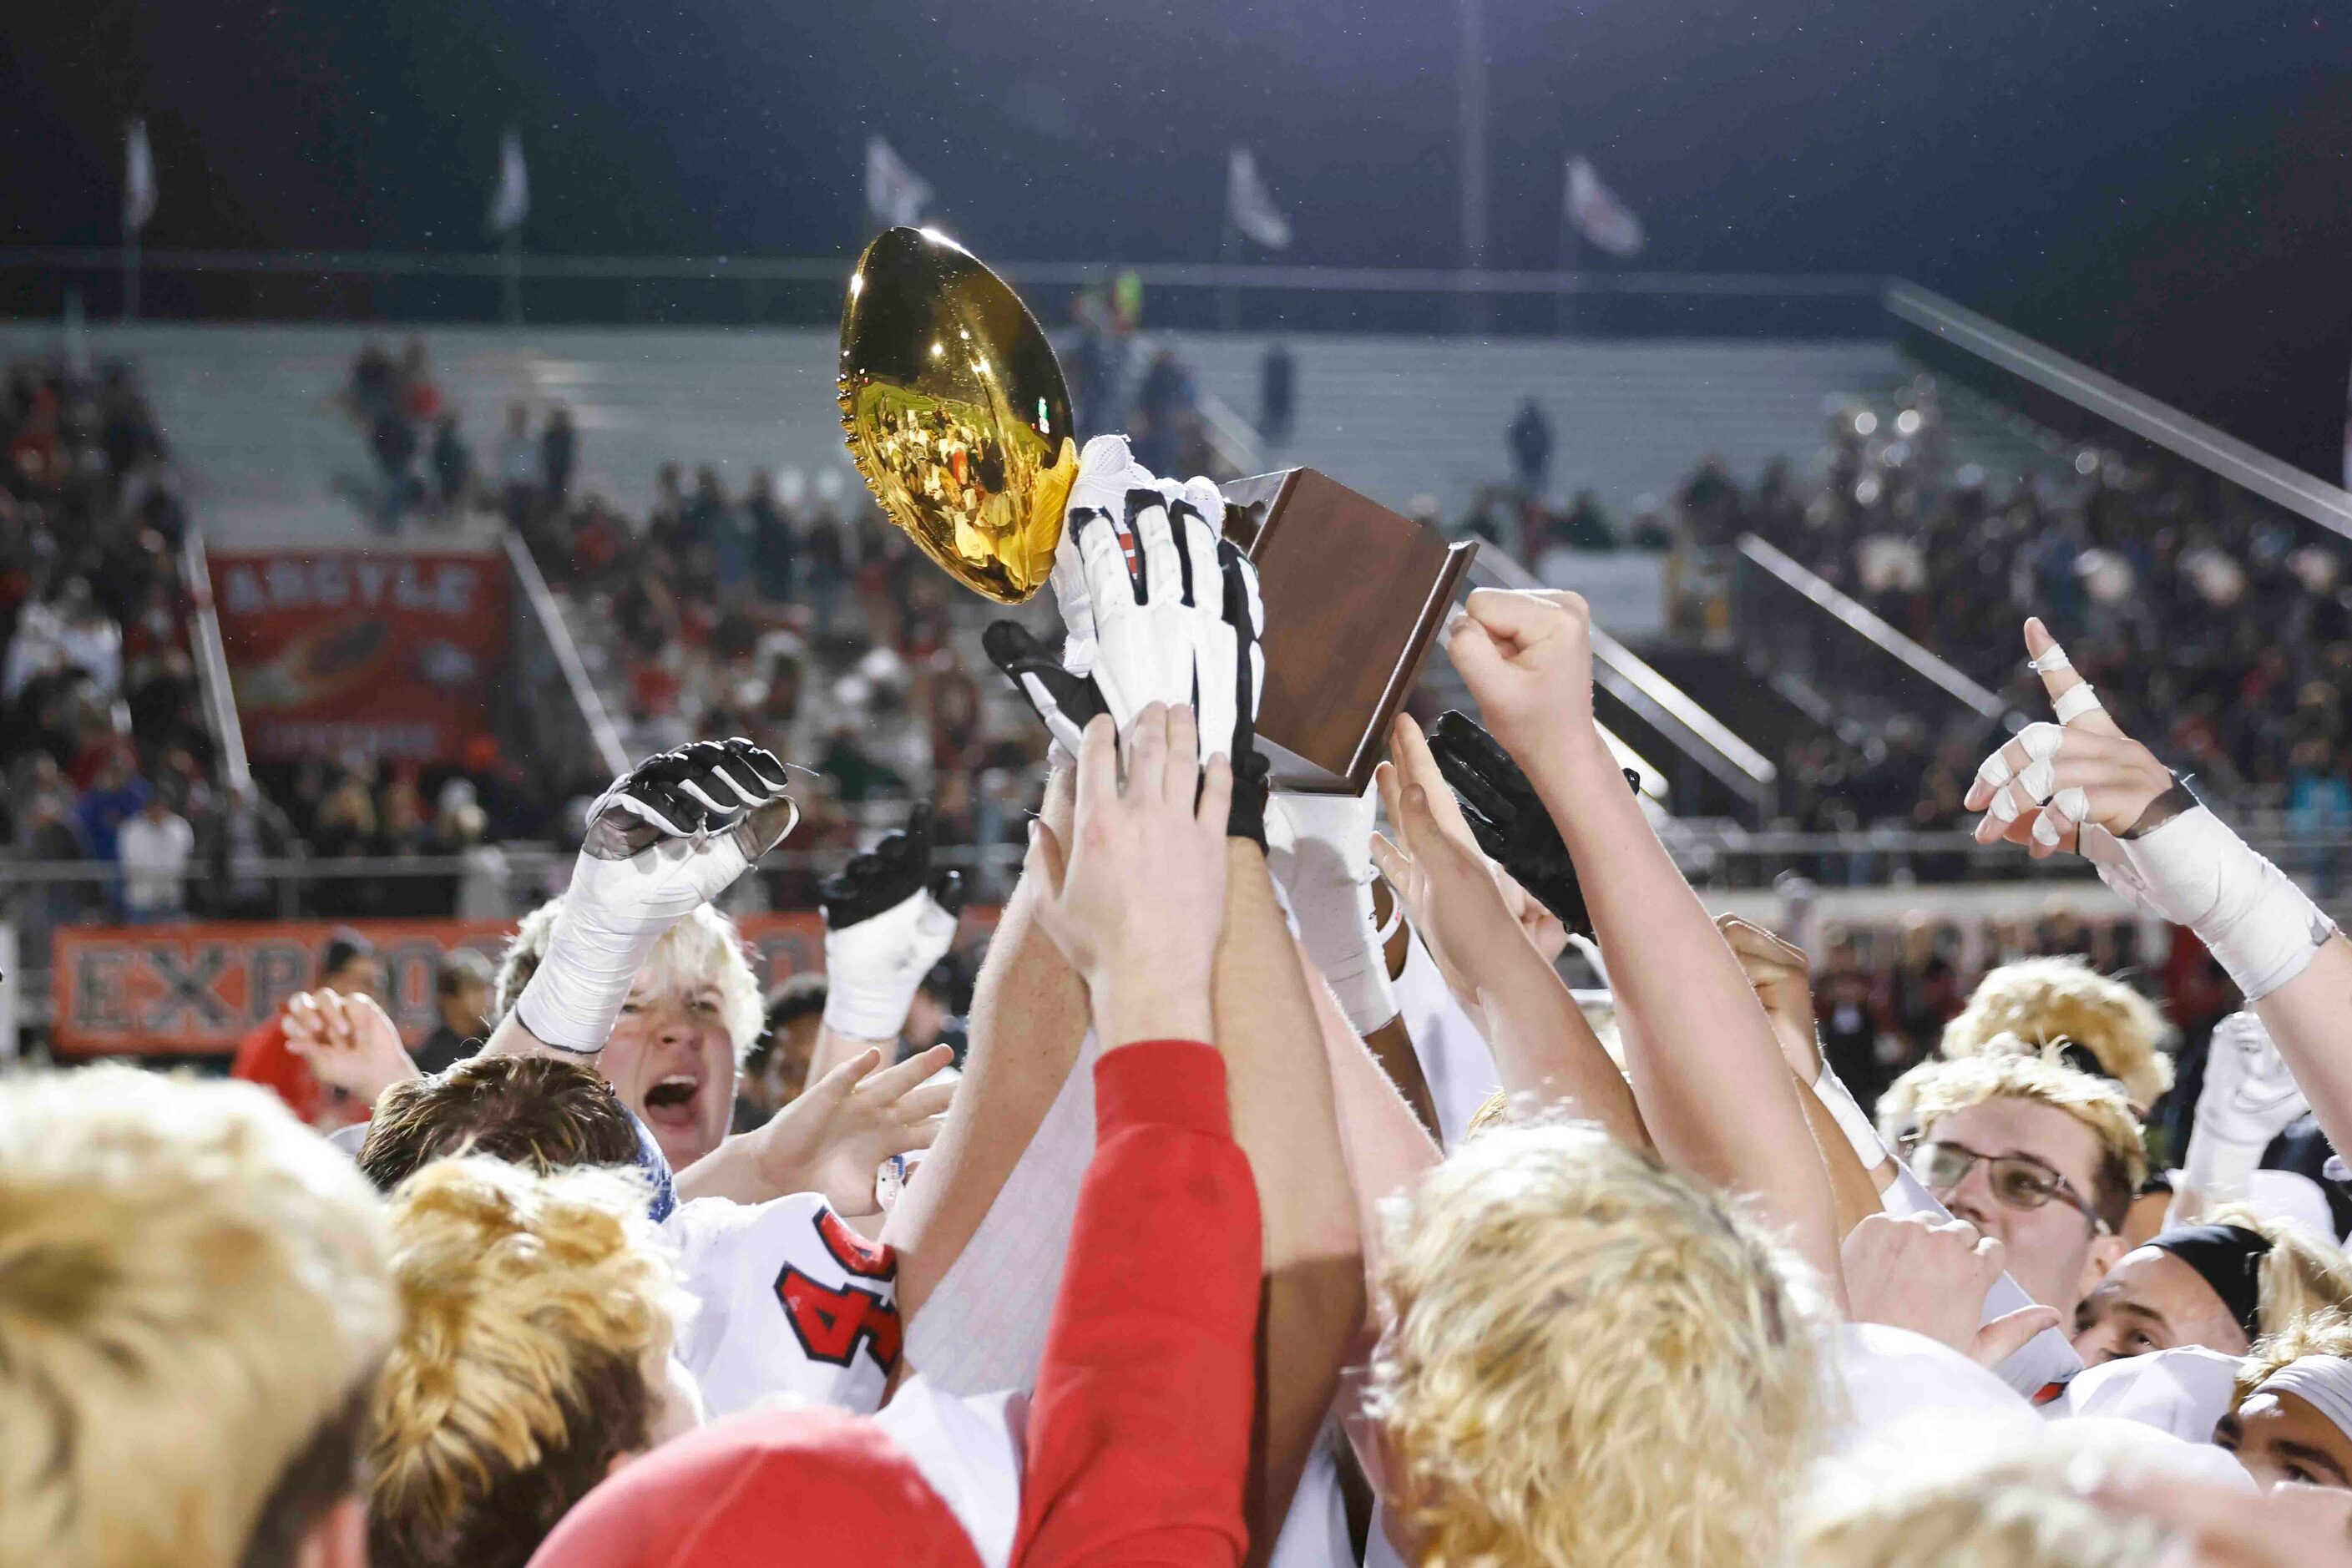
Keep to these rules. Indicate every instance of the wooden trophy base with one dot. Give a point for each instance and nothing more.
(1355, 595)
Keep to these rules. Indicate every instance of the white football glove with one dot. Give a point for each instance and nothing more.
(1107, 471)
(888, 919)
(2250, 1097)
(670, 835)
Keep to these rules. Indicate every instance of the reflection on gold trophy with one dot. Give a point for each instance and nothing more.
(956, 412)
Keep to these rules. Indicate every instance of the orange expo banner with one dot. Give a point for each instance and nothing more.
(197, 990)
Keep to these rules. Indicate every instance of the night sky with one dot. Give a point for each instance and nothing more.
(2158, 188)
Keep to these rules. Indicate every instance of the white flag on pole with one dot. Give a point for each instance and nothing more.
(895, 194)
(138, 178)
(511, 205)
(1250, 206)
(1597, 213)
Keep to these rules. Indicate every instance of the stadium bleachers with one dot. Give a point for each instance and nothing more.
(252, 408)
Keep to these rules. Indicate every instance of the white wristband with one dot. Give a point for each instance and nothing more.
(575, 995)
(1348, 951)
(1839, 1102)
(2194, 871)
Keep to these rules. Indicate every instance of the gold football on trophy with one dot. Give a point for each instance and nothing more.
(956, 412)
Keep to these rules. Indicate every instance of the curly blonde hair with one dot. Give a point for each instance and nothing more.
(2009, 1068)
(1592, 1361)
(2047, 1001)
(704, 946)
(2014, 1514)
(192, 1288)
(534, 1303)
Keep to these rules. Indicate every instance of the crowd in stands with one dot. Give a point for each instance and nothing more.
(103, 743)
(2200, 610)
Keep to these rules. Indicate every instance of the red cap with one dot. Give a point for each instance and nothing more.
(761, 1489)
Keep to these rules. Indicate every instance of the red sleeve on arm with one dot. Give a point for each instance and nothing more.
(1140, 1429)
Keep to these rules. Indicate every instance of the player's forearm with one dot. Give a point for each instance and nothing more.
(1391, 1045)
(511, 1039)
(1709, 1079)
(1028, 1020)
(1544, 1048)
(1285, 1120)
(2310, 1019)
(1388, 1146)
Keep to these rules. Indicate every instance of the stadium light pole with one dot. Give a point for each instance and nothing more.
(1472, 132)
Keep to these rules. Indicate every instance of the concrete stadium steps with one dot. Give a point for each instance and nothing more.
(1399, 417)
(250, 408)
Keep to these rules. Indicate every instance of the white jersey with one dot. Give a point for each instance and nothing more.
(790, 1302)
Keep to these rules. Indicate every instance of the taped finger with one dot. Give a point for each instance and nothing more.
(2075, 702)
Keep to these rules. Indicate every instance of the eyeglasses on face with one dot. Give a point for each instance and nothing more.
(2019, 1180)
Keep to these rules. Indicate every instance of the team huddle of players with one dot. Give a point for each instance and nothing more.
(1287, 1209)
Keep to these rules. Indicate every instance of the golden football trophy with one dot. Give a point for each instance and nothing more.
(959, 418)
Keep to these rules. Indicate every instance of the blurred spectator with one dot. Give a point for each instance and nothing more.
(113, 797)
(154, 847)
(1529, 438)
(1278, 394)
(776, 1071)
(461, 999)
(453, 464)
(559, 449)
(519, 466)
(348, 964)
(245, 832)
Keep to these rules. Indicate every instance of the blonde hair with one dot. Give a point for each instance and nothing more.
(703, 948)
(2046, 1001)
(2008, 1067)
(1592, 1361)
(533, 1302)
(2327, 1332)
(2014, 1514)
(192, 1286)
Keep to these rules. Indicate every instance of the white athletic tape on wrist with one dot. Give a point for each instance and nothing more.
(575, 995)
(1839, 1102)
(2194, 871)
(1336, 927)
(2073, 704)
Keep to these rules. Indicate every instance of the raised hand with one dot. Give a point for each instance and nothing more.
(2082, 784)
(1783, 978)
(1107, 474)
(1177, 621)
(668, 836)
(834, 1136)
(1508, 819)
(1445, 880)
(2048, 782)
(888, 918)
(1527, 658)
(348, 1041)
(1136, 900)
